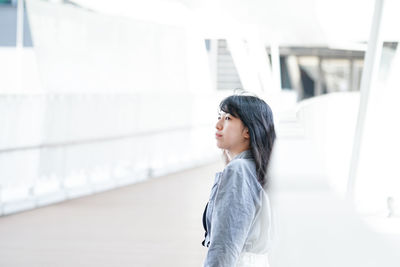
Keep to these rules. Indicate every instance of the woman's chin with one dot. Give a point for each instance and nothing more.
(221, 146)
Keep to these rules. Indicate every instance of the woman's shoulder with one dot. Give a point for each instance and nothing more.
(245, 168)
(241, 165)
(242, 171)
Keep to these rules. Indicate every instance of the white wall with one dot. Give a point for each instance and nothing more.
(118, 101)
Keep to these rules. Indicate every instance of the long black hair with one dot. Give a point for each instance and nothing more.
(257, 116)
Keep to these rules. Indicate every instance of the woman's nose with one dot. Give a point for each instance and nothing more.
(218, 126)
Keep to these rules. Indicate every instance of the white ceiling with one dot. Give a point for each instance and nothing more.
(286, 22)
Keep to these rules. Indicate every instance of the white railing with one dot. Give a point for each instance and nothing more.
(329, 123)
(58, 147)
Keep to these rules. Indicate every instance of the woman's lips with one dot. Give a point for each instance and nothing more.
(218, 135)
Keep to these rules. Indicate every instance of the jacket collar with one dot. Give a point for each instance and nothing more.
(244, 155)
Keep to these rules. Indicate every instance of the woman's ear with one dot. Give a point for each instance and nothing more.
(246, 133)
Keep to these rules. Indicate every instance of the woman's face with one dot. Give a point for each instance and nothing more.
(231, 133)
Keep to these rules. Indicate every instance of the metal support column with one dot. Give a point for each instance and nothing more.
(276, 66)
(318, 86)
(20, 24)
(369, 74)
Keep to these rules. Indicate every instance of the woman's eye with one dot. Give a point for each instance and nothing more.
(219, 117)
(227, 118)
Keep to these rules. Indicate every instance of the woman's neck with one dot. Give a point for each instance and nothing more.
(231, 154)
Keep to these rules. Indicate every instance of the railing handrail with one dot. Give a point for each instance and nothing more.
(98, 140)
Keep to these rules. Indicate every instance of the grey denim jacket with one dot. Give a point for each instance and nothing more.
(238, 215)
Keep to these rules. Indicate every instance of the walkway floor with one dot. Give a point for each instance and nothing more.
(152, 223)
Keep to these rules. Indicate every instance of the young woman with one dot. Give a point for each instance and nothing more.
(237, 217)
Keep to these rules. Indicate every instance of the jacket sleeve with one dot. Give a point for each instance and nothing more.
(232, 216)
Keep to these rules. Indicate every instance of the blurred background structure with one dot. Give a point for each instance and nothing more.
(103, 96)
